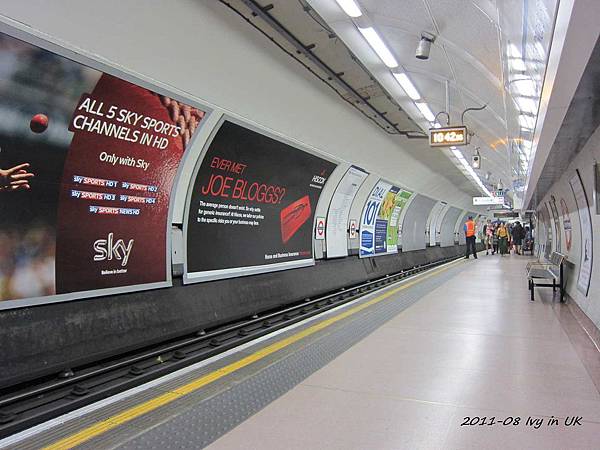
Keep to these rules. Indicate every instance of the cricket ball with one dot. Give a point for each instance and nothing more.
(39, 123)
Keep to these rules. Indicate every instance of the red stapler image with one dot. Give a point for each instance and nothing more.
(293, 217)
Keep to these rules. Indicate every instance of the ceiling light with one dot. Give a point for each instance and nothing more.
(513, 51)
(379, 46)
(526, 146)
(541, 50)
(436, 125)
(350, 7)
(426, 111)
(527, 105)
(407, 85)
(525, 87)
(526, 122)
(517, 64)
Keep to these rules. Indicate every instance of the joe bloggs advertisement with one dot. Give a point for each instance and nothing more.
(252, 205)
(87, 163)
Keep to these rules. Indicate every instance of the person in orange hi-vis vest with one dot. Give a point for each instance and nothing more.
(469, 229)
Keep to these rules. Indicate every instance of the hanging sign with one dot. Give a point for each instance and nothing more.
(448, 136)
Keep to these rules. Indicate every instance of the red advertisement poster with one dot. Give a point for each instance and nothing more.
(87, 165)
(252, 205)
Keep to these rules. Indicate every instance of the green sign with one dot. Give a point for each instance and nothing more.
(400, 199)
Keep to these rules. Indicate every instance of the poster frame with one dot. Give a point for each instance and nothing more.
(579, 207)
(556, 221)
(348, 220)
(380, 181)
(46, 42)
(234, 272)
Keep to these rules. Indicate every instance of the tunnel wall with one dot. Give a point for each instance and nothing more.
(432, 223)
(448, 227)
(46, 339)
(561, 190)
(413, 226)
(234, 69)
(43, 339)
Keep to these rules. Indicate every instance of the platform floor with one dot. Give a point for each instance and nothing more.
(401, 368)
(473, 347)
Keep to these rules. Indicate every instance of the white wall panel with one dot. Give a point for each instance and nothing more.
(207, 53)
(561, 190)
(448, 227)
(414, 225)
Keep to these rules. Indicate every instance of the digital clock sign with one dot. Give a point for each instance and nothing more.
(447, 137)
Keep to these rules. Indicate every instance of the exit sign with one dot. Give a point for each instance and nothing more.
(448, 136)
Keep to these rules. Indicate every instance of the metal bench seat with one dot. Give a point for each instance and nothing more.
(551, 270)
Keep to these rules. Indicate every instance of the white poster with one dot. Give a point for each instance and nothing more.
(435, 217)
(369, 217)
(587, 239)
(549, 237)
(339, 210)
(556, 219)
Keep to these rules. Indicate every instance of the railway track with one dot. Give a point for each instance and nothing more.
(22, 407)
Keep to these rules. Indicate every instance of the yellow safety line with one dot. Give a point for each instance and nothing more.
(136, 411)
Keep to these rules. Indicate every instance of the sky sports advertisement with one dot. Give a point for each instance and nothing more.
(252, 206)
(87, 163)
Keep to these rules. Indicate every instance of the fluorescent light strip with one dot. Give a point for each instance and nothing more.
(379, 46)
(517, 64)
(525, 87)
(350, 7)
(407, 85)
(527, 105)
(458, 154)
(526, 122)
(426, 111)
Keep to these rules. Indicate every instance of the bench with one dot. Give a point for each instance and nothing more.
(550, 270)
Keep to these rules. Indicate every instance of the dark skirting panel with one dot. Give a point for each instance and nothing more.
(42, 340)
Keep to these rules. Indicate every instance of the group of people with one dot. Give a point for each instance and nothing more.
(499, 237)
(503, 238)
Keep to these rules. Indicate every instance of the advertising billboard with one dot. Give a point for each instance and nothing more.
(369, 233)
(586, 260)
(383, 220)
(87, 164)
(339, 211)
(556, 219)
(393, 225)
(251, 206)
(567, 226)
(549, 235)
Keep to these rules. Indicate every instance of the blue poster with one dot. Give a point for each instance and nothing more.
(381, 236)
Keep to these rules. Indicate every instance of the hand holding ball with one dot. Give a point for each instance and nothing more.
(39, 123)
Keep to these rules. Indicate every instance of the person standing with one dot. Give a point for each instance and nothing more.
(489, 237)
(502, 234)
(469, 229)
(518, 233)
(495, 238)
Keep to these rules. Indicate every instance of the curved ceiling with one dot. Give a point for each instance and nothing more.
(486, 52)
